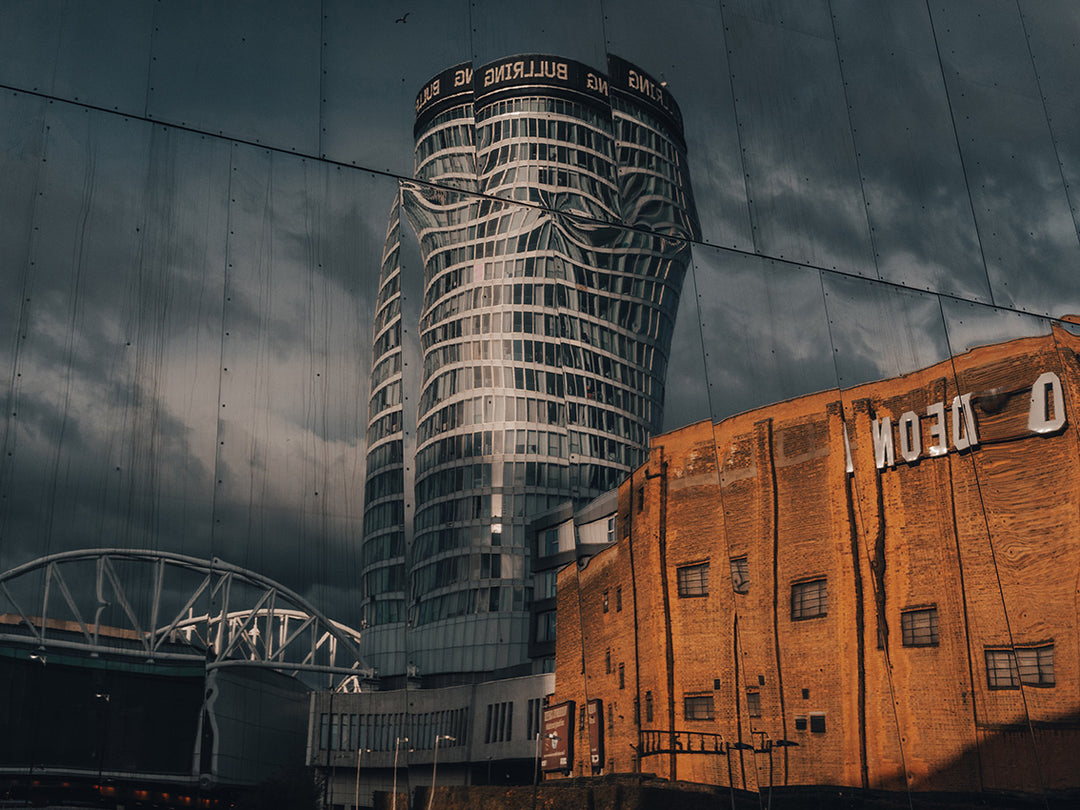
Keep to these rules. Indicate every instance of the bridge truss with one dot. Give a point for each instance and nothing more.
(161, 607)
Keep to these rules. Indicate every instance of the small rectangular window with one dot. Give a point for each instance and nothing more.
(693, 580)
(1001, 670)
(346, 739)
(605, 601)
(622, 677)
(551, 542)
(753, 702)
(809, 599)
(698, 707)
(618, 600)
(545, 626)
(740, 575)
(1030, 666)
(919, 628)
(817, 723)
(1036, 665)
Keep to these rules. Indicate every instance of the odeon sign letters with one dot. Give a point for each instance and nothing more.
(955, 428)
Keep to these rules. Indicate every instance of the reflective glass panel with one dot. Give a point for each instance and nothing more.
(22, 156)
(377, 57)
(94, 53)
(221, 69)
(680, 46)
(806, 200)
(922, 226)
(562, 28)
(764, 331)
(303, 253)
(1028, 234)
(1052, 29)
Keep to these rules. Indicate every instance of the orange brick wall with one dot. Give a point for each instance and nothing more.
(988, 536)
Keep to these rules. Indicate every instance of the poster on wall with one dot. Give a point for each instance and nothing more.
(558, 737)
(595, 711)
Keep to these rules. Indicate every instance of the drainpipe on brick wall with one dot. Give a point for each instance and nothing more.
(765, 440)
(835, 411)
(669, 652)
(633, 601)
(860, 627)
(575, 725)
(738, 704)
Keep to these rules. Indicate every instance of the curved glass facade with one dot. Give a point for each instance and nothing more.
(544, 332)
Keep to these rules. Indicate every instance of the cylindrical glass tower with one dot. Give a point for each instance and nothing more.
(554, 215)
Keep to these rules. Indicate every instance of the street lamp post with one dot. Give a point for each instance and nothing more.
(767, 745)
(536, 763)
(435, 764)
(35, 736)
(356, 800)
(737, 746)
(777, 744)
(102, 735)
(397, 744)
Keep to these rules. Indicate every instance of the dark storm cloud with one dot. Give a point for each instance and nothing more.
(880, 331)
(764, 330)
(861, 152)
(970, 325)
(923, 227)
(85, 477)
(117, 393)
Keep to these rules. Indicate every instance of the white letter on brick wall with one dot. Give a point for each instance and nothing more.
(881, 431)
(963, 434)
(910, 437)
(937, 430)
(1046, 399)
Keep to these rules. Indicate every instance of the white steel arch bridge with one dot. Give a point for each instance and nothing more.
(158, 606)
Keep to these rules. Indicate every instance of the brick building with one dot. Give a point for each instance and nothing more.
(871, 587)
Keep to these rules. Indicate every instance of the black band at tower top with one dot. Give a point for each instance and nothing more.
(555, 75)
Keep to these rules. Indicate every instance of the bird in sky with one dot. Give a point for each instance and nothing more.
(403, 17)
